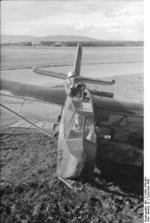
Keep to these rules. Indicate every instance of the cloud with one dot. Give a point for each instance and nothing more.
(111, 19)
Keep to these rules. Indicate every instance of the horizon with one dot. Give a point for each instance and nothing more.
(111, 21)
(61, 35)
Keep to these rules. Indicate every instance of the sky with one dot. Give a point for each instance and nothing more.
(100, 19)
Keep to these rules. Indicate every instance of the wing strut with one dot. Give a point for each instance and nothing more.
(26, 120)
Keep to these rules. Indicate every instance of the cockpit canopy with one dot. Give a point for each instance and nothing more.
(79, 121)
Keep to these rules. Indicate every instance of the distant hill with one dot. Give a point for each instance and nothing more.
(62, 38)
(65, 40)
(34, 39)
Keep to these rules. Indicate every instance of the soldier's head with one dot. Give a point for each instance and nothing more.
(71, 74)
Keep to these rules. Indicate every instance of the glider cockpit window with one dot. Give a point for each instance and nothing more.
(77, 126)
(71, 108)
(68, 116)
(89, 130)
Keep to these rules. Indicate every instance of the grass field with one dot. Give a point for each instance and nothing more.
(14, 57)
(30, 191)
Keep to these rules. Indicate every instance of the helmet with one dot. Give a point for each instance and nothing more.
(71, 74)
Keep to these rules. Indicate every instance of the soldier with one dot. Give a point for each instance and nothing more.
(74, 86)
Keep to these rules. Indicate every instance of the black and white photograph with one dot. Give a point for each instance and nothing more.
(72, 112)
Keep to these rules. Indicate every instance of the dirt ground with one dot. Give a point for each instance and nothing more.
(31, 192)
